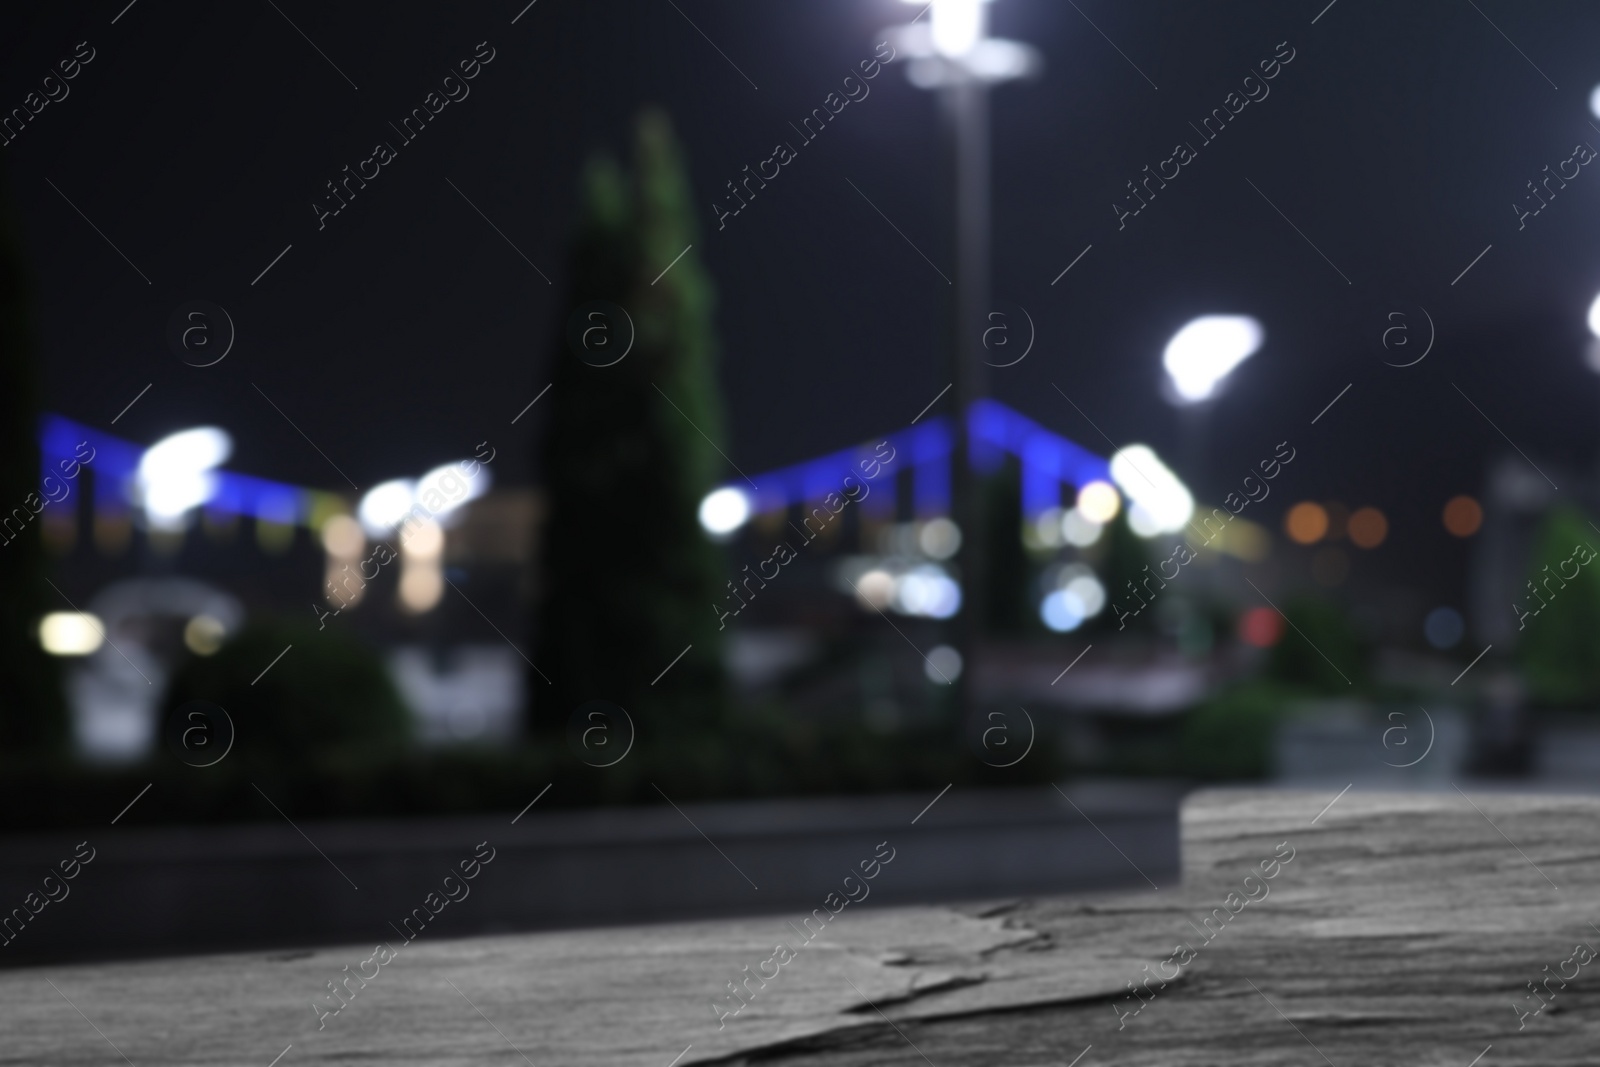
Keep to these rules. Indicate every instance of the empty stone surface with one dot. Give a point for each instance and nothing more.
(1403, 930)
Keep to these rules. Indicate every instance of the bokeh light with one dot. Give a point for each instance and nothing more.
(1368, 527)
(1099, 502)
(1462, 516)
(1444, 628)
(1306, 523)
(1261, 627)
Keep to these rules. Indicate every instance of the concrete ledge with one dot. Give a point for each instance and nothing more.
(167, 890)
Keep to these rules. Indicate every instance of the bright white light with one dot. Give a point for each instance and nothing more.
(175, 473)
(957, 25)
(939, 538)
(724, 511)
(385, 504)
(1154, 490)
(1206, 350)
(1594, 317)
(71, 633)
(1594, 101)
(927, 591)
(1098, 502)
(1079, 531)
(448, 488)
(943, 664)
(1059, 613)
(1141, 522)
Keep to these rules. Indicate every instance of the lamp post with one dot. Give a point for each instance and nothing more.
(951, 54)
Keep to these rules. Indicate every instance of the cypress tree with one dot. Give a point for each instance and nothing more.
(33, 716)
(629, 578)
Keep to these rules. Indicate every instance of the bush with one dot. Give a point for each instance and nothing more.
(328, 695)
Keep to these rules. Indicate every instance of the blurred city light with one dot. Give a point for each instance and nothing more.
(1306, 523)
(724, 510)
(71, 633)
(1161, 503)
(385, 504)
(1078, 530)
(939, 539)
(1098, 502)
(203, 634)
(943, 664)
(176, 473)
(1206, 351)
(1261, 627)
(1367, 527)
(1444, 628)
(448, 482)
(1462, 516)
(927, 591)
(1060, 614)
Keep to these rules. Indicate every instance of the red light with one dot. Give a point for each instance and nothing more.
(1261, 627)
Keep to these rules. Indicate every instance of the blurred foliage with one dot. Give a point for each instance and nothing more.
(33, 715)
(1558, 648)
(629, 577)
(763, 754)
(328, 697)
(1230, 735)
(1321, 651)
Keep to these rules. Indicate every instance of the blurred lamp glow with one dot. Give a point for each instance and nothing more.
(1205, 351)
(71, 633)
(1594, 317)
(1161, 499)
(451, 485)
(175, 474)
(1098, 502)
(385, 504)
(1060, 613)
(957, 25)
(724, 511)
(1594, 101)
(927, 591)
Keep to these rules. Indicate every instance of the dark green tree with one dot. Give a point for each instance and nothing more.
(33, 716)
(629, 579)
(1558, 647)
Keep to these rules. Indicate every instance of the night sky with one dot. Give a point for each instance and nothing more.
(1395, 142)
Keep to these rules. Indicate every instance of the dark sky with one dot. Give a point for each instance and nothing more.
(1396, 141)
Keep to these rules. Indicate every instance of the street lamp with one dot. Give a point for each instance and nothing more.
(1202, 354)
(950, 52)
(1198, 360)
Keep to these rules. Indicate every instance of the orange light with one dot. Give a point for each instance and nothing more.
(1463, 516)
(1306, 523)
(1368, 527)
(1261, 627)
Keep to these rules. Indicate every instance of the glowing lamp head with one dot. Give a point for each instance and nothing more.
(176, 473)
(1206, 351)
(1161, 503)
(724, 510)
(385, 505)
(957, 26)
